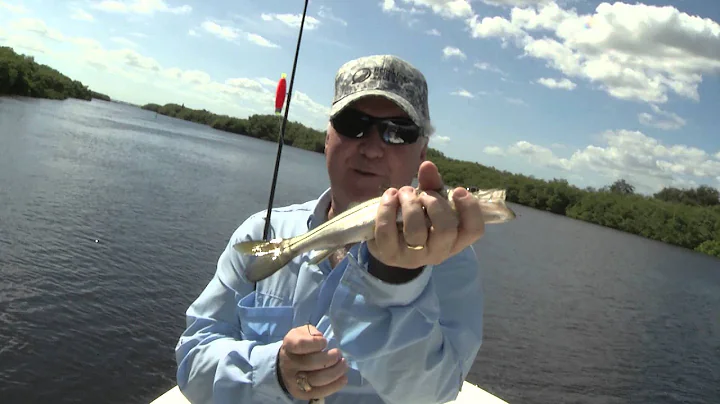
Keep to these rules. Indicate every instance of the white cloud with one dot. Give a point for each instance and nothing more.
(445, 8)
(248, 84)
(237, 96)
(440, 140)
(463, 93)
(190, 76)
(538, 155)
(641, 159)
(259, 40)
(494, 27)
(390, 6)
(515, 3)
(489, 67)
(494, 151)
(82, 15)
(146, 7)
(21, 42)
(516, 101)
(124, 41)
(192, 32)
(267, 82)
(13, 8)
(433, 32)
(38, 27)
(326, 13)
(662, 120)
(563, 84)
(633, 52)
(225, 32)
(292, 20)
(304, 100)
(450, 51)
(230, 33)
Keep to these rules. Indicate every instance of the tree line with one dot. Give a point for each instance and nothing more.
(22, 75)
(688, 218)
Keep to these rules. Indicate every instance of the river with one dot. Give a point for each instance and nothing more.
(112, 219)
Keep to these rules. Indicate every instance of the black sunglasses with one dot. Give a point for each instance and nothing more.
(354, 124)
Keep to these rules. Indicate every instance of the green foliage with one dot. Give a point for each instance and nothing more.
(687, 218)
(21, 75)
(266, 127)
(99, 96)
(701, 196)
(710, 247)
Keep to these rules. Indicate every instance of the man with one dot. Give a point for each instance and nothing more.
(394, 320)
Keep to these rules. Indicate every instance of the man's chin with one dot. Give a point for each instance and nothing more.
(360, 193)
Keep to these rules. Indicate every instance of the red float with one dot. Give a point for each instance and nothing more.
(280, 94)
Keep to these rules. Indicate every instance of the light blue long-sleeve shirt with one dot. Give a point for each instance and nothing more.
(405, 343)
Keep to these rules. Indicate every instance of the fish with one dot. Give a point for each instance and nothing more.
(354, 225)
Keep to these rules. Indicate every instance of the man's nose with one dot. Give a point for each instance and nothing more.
(372, 145)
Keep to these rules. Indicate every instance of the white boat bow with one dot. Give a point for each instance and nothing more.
(469, 394)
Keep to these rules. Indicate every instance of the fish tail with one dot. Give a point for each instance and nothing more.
(264, 257)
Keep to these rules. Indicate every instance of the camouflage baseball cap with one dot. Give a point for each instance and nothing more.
(387, 76)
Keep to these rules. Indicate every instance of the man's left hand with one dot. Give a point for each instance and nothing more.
(417, 245)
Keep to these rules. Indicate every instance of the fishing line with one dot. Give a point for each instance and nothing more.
(281, 139)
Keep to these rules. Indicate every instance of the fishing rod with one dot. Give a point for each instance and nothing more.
(281, 138)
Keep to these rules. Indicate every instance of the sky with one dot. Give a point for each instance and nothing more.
(583, 90)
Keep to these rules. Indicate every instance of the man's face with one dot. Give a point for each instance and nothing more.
(361, 169)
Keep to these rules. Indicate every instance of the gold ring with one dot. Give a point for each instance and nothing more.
(302, 382)
(415, 247)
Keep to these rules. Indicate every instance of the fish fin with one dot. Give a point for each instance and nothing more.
(320, 256)
(265, 257)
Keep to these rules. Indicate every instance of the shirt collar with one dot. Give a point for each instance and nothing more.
(319, 214)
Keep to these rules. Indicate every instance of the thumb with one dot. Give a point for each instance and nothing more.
(429, 178)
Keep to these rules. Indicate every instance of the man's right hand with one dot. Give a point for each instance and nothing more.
(301, 356)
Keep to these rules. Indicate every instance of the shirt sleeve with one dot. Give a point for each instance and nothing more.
(415, 341)
(217, 362)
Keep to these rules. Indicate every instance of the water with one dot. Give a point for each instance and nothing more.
(575, 313)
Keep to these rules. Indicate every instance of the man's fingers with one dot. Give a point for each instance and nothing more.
(414, 225)
(299, 342)
(472, 226)
(386, 232)
(445, 223)
(326, 376)
(324, 391)
(429, 178)
(316, 361)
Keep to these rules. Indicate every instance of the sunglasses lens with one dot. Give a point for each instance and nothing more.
(403, 132)
(394, 131)
(351, 123)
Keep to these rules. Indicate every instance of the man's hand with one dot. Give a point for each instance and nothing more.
(417, 245)
(303, 361)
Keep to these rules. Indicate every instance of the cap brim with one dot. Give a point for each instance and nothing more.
(401, 102)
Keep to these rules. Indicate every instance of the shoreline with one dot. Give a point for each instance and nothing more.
(694, 227)
(688, 218)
